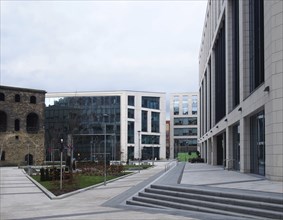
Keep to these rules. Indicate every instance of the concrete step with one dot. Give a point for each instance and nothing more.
(221, 200)
(213, 205)
(220, 193)
(212, 200)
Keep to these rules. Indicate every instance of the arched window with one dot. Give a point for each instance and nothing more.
(32, 123)
(17, 98)
(2, 96)
(3, 121)
(33, 100)
(17, 125)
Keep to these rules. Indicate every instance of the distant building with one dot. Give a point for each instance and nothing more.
(167, 139)
(21, 126)
(183, 123)
(134, 124)
(241, 83)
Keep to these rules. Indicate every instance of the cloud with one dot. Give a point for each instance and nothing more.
(101, 45)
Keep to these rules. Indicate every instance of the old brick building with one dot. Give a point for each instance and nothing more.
(21, 126)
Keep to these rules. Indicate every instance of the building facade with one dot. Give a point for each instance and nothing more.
(21, 126)
(241, 86)
(128, 124)
(183, 123)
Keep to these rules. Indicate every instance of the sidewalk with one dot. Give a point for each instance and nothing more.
(21, 199)
(208, 175)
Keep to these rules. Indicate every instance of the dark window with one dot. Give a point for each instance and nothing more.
(33, 100)
(220, 76)
(32, 123)
(235, 48)
(3, 121)
(131, 132)
(256, 43)
(2, 96)
(17, 98)
(150, 139)
(155, 121)
(150, 102)
(131, 113)
(17, 125)
(185, 131)
(131, 100)
(185, 121)
(144, 120)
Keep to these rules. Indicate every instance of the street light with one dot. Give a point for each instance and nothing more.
(61, 157)
(139, 155)
(105, 115)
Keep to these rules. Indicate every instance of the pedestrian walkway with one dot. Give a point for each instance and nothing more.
(216, 176)
(21, 199)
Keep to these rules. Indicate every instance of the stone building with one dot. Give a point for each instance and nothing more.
(21, 126)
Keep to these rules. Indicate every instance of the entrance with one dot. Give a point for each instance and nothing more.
(149, 153)
(258, 144)
(29, 159)
(131, 153)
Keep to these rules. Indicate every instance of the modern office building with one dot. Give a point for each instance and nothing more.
(183, 123)
(127, 125)
(241, 86)
(21, 126)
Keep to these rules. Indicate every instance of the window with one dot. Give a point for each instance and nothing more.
(155, 121)
(33, 100)
(220, 76)
(235, 49)
(2, 96)
(150, 102)
(3, 155)
(3, 121)
(256, 24)
(185, 121)
(17, 125)
(185, 105)
(176, 105)
(131, 113)
(144, 120)
(194, 104)
(185, 131)
(131, 100)
(17, 98)
(131, 132)
(32, 123)
(150, 139)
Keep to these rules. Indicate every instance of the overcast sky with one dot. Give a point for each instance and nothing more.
(66, 46)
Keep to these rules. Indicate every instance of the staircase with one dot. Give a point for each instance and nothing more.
(211, 200)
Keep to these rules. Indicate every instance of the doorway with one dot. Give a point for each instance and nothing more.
(258, 144)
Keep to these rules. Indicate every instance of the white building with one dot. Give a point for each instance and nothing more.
(183, 123)
(135, 123)
(241, 86)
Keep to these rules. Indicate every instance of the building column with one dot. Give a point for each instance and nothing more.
(208, 153)
(229, 148)
(245, 158)
(214, 151)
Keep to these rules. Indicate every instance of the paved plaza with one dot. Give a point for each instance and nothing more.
(22, 199)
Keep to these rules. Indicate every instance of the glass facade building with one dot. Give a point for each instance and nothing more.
(91, 122)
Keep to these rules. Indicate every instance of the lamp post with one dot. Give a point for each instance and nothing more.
(105, 115)
(139, 155)
(61, 157)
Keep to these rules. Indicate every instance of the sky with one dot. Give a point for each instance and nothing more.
(68, 46)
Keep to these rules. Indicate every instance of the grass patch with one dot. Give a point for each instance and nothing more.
(79, 181)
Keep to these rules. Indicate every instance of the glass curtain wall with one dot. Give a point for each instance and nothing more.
(88, 121)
